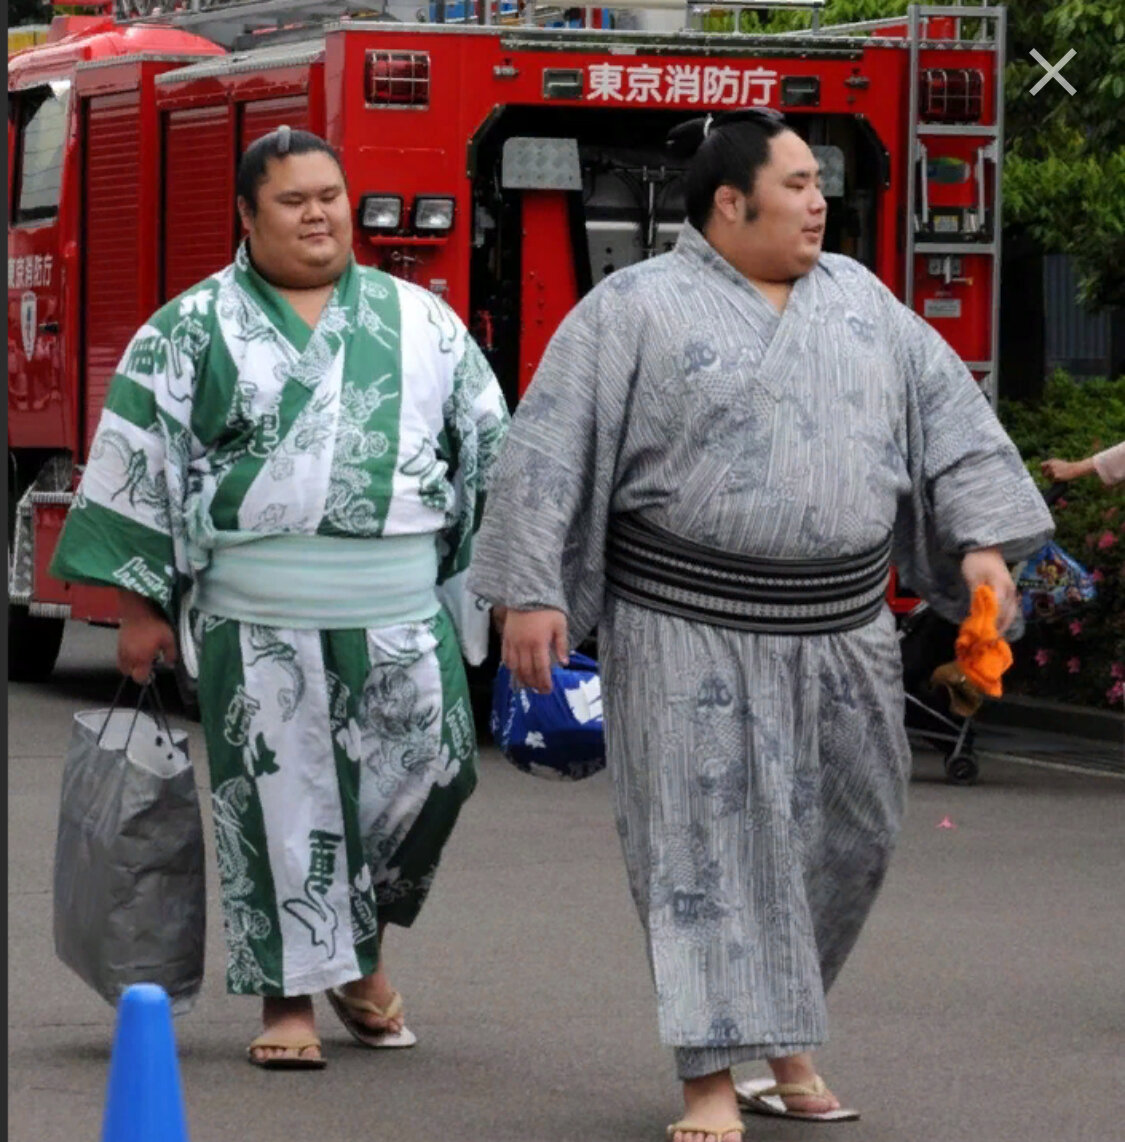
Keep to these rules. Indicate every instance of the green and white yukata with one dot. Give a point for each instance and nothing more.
(312, 496)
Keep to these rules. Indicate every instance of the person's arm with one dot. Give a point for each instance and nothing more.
(973, 507)
(1066, 470)
(540, 551)
(476, 421)
(119, 530)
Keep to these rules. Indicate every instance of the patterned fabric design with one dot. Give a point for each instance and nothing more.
(339, 758)
(313, 857)
(675, 391)
(759, 779)
(229, 414)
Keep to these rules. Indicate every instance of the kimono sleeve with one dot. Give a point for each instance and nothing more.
(122, 529)
(476, 419)
(970, 489)
(542, 542)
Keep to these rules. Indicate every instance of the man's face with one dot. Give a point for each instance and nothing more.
(301, 232)
(782, 225)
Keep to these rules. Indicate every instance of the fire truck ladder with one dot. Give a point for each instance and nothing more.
(241, 24)
(232, 23)
(979, 233)
(991, 31)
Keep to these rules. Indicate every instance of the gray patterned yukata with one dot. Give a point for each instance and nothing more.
(759, 778)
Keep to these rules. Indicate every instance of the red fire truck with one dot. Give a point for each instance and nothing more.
(507, 166)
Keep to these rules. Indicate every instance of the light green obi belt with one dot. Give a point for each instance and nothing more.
(322, 582)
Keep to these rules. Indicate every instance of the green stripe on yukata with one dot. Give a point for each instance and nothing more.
(131, 401)
(456, 554)
(255, 964)
(418, 856)
(280, 314)
(470, 378)
(347, 665)
(214, 386)
(366, 360)
(98, 544)
(294, 396)
(242, 474)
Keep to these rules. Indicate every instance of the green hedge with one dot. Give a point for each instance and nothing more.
(1079, 657)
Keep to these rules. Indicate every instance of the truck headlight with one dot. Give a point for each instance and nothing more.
(433, 215)
(380, 212)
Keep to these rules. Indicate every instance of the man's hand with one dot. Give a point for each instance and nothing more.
(499, 618)
(144, 636)
(530, 639)
(988, 566)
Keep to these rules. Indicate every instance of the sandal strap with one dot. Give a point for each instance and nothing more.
(815, 1089)
(709, 1132)
(271, 1040)
(392, 1011)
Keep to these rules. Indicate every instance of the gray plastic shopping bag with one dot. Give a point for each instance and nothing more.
(129, 882)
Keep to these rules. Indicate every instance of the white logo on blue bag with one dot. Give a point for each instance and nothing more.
(585, 700)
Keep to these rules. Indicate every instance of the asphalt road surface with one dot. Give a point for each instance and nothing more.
(985, 1003)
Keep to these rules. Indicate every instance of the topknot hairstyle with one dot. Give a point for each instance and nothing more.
(727, 149)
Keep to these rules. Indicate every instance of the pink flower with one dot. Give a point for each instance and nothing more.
(1074, 665)
(1108, 539)
(1117, 670)
(1110, 513)
(1076, 627)
(1116, 693)
(1059, 505)
(1097, 576)
(1042, 657)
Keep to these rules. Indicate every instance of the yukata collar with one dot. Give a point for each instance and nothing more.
(277, 309)
(788, 331)
(692, 245)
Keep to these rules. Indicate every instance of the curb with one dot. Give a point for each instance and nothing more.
(1021, 712)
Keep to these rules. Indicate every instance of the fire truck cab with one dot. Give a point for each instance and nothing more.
(501, 159)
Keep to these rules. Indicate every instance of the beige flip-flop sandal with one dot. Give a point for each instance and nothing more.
(278, 1041)
(346, 1006)
(764, 1096)
(710, 1133)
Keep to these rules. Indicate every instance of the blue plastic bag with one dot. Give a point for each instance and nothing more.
(1051, 583)
(557, 735)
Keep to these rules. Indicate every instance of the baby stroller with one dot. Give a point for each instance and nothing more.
(927, 641)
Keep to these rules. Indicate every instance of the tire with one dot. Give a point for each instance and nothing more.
(961, 769)
(33, 645)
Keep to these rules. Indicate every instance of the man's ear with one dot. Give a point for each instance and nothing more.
(245, 214)
(727, 203)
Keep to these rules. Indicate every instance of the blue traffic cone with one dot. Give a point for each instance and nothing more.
(143, 1100)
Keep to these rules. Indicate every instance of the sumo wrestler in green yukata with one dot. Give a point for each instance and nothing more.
(295, 450)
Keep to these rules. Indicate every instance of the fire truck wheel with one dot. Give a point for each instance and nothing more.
(33, 645)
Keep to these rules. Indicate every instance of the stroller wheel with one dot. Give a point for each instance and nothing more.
(961, 769)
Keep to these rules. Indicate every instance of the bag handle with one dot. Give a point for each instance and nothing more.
(150, 690)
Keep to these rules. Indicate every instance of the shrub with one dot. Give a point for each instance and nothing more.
(1080, 656)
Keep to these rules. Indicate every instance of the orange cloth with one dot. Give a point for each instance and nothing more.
(981, 653)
